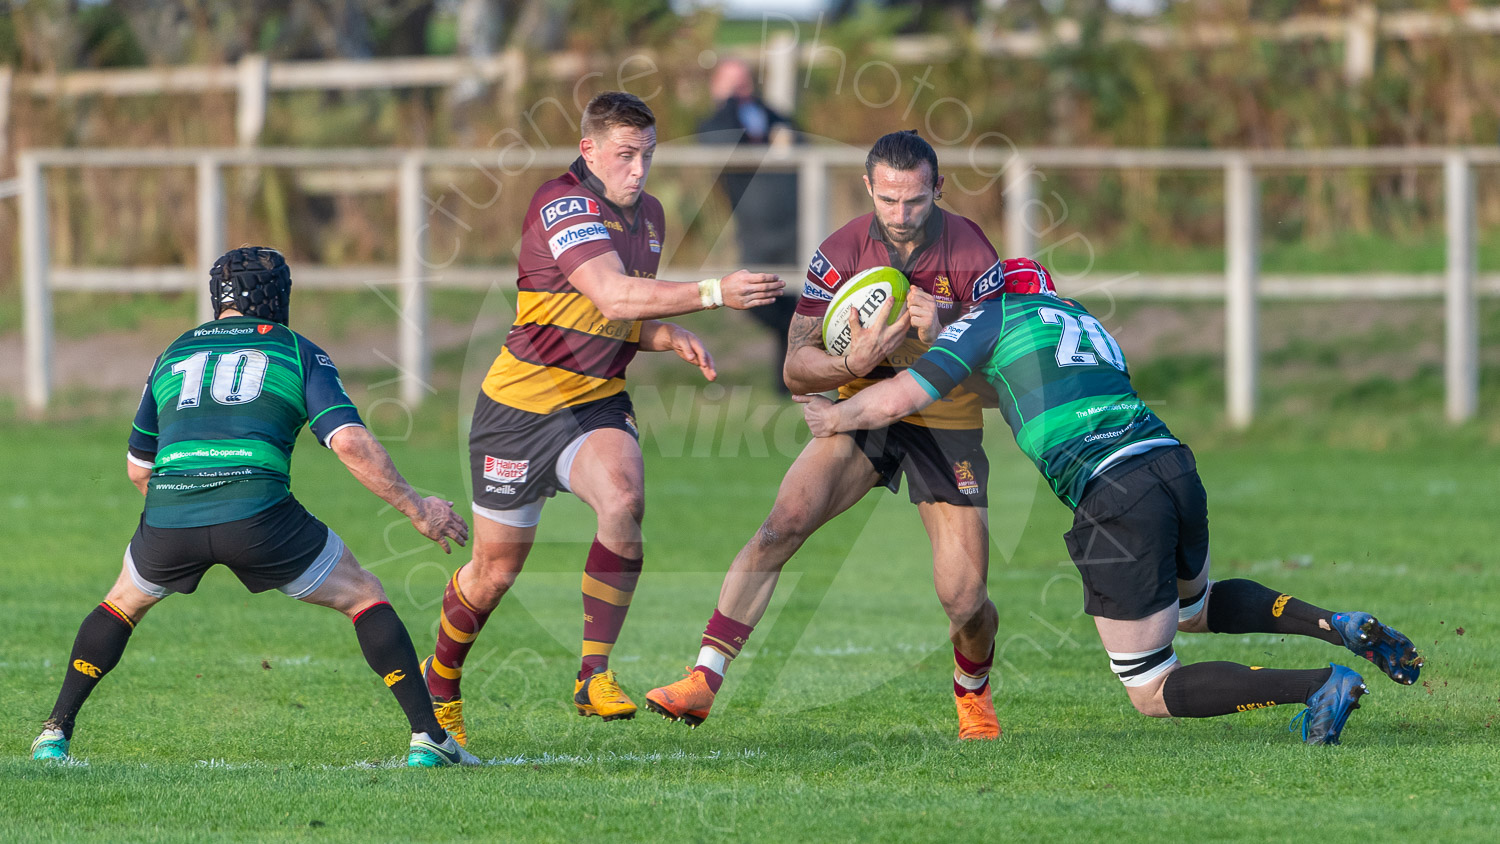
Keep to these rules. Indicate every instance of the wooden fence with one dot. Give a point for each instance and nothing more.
(1240, 286)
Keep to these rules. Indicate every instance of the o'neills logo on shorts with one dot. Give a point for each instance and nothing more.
(505, 471)
(963, 475)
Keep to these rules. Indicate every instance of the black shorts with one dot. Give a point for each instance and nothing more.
(282, 547)
(1141, 526)
(940, 465)
(513, 454)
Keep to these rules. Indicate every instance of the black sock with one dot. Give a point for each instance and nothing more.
(1244, 606)
(388, 649)
(1206, 689)
(101, 640)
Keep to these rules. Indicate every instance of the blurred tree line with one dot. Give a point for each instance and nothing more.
(1098, 90)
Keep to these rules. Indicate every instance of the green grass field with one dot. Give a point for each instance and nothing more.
(255, 717)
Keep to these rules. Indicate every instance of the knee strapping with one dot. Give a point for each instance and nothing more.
(1138, 669)
(1189, 607)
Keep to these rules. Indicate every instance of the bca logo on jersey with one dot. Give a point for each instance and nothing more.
(503, 471)
(822, 269)
(989, 284)
(568, 206)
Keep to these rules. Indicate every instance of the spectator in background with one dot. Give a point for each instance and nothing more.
(764, 204)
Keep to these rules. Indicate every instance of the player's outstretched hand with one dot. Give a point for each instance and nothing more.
(743, 289)
(871, 344)
(819, 413)
(436, 520)
(688, 347)
(924, 316)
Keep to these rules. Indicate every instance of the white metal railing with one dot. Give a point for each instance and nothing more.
(1240, 287)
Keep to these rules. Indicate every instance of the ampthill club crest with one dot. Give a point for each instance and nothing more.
(963, 475)
(942, 290)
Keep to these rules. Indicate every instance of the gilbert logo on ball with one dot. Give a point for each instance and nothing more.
(865, 292)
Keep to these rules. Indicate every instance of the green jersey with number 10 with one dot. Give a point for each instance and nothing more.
(221, 411)
(1062, 380)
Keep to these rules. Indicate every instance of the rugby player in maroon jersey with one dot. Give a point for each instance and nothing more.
(945, 257)
(553, 413)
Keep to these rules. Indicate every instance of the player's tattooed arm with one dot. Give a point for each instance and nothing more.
(810, 369)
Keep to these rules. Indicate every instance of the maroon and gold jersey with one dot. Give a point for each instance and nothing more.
(561, 351)
(954, 259)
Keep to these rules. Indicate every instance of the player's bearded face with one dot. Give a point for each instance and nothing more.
(621, 159)
(904, 199)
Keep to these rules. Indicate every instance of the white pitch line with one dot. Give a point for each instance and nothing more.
(516, 760)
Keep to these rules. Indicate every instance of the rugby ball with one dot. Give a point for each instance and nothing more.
(865, 292)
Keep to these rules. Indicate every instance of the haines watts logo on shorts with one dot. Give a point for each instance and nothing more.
(567, 206)
(505, 471)
(963, 475)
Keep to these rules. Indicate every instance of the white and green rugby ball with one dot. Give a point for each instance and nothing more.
(865, 292)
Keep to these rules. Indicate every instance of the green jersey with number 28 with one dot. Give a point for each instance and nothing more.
(1062, 380)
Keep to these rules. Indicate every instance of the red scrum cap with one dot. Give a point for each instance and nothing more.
(1023, 275)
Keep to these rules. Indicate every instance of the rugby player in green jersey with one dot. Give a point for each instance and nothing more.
(1140, 526)
(211, 450)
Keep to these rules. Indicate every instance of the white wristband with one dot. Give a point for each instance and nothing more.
(710, 294)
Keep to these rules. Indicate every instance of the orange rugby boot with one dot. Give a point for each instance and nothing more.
(687, 700)
(976, 717)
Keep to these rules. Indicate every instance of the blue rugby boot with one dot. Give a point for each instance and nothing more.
(1329, 707)
(426, 753)
(1391, 652)
(50, 745)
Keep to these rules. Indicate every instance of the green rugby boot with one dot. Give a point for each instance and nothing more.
(51, 745)
(426, 753)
